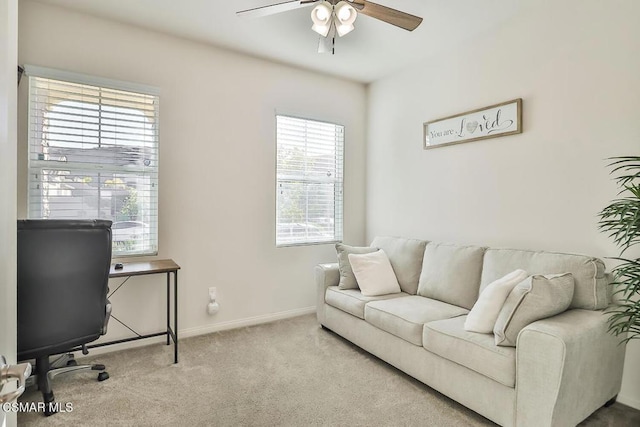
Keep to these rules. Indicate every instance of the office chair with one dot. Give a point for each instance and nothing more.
(63, 273)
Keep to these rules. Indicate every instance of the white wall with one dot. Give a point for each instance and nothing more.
(217, 163)
(8, 73)
(576, 66)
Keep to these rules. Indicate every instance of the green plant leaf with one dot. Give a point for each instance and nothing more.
(620, 220)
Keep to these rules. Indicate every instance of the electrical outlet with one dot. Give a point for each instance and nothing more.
(213, 307)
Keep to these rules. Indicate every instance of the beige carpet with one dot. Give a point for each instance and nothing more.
(287, 373)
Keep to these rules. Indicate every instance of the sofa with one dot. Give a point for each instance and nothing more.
(561, 370)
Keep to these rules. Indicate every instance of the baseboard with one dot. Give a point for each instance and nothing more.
(207, 329)
(249, 321)
(626, 400)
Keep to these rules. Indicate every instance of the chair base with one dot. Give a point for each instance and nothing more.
(46, 370)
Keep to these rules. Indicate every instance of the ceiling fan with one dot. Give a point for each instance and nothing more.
(336, 17)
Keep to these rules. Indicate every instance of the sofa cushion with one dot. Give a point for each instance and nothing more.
(478, 352)
(347, 279)
(374, 274)
(405, 317)
(351, 300)
(451, 273)
(406, 259)
(589, 273)
(533, 299)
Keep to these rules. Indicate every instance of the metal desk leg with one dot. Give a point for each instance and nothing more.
(175, 314)
(168, 308)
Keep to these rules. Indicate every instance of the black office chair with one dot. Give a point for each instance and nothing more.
(63, 274)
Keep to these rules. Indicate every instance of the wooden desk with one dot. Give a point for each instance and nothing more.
(131, 269)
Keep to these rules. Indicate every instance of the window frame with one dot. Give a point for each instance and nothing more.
(38, 166)
(338, 234)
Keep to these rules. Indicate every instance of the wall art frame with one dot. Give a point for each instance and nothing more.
(483, 123)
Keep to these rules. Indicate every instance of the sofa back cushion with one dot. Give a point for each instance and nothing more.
(405, 256)
(451, 273)
(589, 273)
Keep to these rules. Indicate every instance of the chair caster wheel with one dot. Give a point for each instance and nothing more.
(49, 404)
(103, 376)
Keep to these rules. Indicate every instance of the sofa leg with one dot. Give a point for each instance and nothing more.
(611, 401)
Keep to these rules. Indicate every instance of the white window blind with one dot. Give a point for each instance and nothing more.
(93, 153)
(309, 181)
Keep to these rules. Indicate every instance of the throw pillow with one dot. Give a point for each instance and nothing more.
(482, 317)
(535, 298)
(405, 256)
(347, 279)
(451, 273)
(374, 273)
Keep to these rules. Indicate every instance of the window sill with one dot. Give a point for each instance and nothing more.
(289, 245)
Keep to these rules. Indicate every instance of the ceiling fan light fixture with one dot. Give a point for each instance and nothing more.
(343, 30)
(345, 16)
(345, 13)
(321, 15)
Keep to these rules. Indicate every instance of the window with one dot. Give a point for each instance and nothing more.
(93, 153)
(309, 181)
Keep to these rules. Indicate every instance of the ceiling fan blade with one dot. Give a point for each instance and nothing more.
(391, 16)
(272, 9)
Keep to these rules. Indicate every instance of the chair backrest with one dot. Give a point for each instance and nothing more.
(63, 274)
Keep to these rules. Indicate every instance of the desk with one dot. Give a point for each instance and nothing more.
(145, 268)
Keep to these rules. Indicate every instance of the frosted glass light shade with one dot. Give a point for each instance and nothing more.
(345, 13)
(345, 16)
(321, 16)
(344, 29)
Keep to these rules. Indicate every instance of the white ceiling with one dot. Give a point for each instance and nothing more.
(373, 50)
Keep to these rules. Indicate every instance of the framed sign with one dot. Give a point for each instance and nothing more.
(488, 122)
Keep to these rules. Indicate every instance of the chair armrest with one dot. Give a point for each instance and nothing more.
(567, 366)
(325, 275)
(107, 316)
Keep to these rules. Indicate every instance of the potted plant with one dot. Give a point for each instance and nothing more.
(621, 220)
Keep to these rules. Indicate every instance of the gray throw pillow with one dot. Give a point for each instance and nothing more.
(535, 298)
(405, 256)
(451, 273)
(347, 279)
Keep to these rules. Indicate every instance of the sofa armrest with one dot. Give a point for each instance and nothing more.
(567, 366)
(326, 275)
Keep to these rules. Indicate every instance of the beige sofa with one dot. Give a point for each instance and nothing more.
(562, 369)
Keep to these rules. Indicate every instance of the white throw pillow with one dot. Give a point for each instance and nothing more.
(374, 273)
(482, 317)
